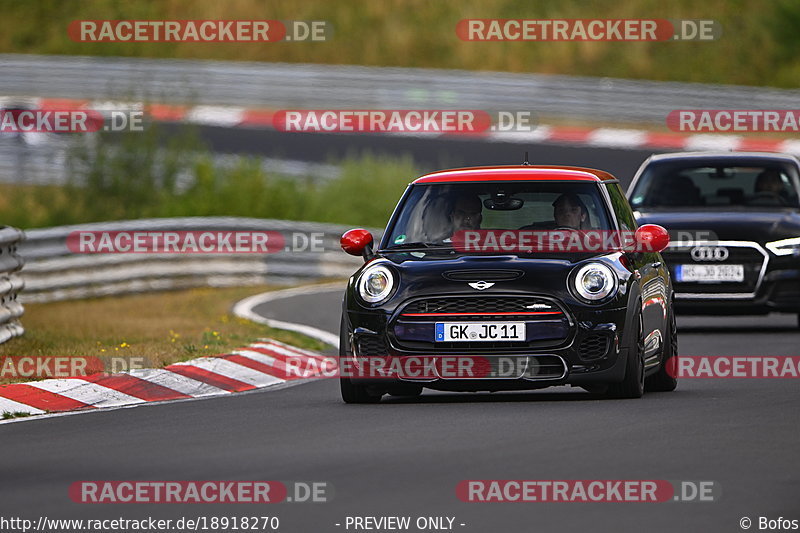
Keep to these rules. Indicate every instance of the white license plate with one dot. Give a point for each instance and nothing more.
(480, 331)
(730, 273)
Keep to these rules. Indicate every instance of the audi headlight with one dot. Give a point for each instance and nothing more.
(375, 284)
(595, 281)
(785, 246)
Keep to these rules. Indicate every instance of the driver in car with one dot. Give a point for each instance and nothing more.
(467, 213)
(769, 185)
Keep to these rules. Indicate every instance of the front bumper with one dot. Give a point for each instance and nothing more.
(583, 348)
(778, 292)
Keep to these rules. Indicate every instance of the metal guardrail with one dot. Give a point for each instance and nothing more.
(10, 283)
(53, 272)
(280, 85)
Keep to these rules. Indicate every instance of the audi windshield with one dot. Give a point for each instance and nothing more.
(678, 185)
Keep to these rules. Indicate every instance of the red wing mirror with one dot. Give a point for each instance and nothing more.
(356, 241)
(651, 238)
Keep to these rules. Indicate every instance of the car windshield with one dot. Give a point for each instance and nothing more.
(692, 185)
(432, 213)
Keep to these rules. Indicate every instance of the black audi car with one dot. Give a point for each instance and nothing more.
(490, 279)
(734, 219)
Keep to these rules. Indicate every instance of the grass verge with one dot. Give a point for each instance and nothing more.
(758, 45)
(163, 328)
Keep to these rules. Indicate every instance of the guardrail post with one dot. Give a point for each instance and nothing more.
(11, 283)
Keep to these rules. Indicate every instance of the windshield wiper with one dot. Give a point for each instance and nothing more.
(416, 245)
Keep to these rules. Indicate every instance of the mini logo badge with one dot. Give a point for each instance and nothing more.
(480, 285)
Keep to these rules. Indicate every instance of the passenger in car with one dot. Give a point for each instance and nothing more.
(569, 211)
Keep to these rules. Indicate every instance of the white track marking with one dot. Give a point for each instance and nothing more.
(10, 406)
(231, 370)
(257, 357)
(244, 309)
(215, 115)
(177, 382)
(703, 142)
(617, 138)
(286, 351)
(86, 392)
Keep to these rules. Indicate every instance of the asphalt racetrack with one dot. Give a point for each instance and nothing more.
(405, 457)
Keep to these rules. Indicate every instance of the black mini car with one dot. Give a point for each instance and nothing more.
(734, 219)
(502, 278)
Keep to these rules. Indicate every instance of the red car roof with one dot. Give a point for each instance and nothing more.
(517, 172)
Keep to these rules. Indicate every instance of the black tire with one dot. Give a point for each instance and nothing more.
(661, 381)
(352, 392)
(632, 386)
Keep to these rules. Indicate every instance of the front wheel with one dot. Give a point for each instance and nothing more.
(351, 392)
(633, 384)
(662, 381)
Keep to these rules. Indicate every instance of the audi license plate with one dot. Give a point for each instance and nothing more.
(709, 273)
(480, 331)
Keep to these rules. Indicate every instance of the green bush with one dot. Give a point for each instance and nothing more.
(142, 175)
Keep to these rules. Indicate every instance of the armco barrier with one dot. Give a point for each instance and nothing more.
(52, 272)
(243, 84)
(10, 283)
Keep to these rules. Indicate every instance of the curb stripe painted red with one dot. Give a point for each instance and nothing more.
(40, 399)
(138, 388)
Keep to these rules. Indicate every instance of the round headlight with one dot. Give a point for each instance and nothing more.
(375, 284)
(595, 281)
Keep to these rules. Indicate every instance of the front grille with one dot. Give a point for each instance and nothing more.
(371, 345)
(593, 347)
(751, 259)
(547, 324)
(481, 305)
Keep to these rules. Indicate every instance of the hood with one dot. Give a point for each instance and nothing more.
(729, 225)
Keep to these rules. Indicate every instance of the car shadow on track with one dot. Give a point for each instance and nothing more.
(734, 325)
(435, 397)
